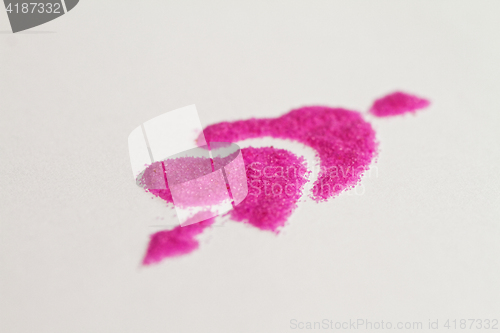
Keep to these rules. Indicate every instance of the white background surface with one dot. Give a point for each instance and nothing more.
(421, 243)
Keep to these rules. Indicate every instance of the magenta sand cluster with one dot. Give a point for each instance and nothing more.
(342, 138)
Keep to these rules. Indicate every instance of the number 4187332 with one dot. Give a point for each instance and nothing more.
(472, 323)
(34, 7)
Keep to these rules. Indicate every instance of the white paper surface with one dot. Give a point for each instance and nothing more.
(418, 242)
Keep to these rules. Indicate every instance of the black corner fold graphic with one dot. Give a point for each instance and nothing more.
(70, 4)
(26, 14)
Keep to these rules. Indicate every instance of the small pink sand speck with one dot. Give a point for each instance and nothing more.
(397, 103)
(176, 242)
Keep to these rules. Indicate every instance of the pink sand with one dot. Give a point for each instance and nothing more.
(397, 103)
(275, 178)
(175, 242)
(344, 141)
(345, 144)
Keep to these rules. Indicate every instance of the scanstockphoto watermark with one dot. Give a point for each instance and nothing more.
(355, 324)
(278, 180)
(367, 324)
